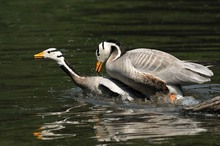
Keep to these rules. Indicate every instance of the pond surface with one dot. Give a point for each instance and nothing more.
(39, 104)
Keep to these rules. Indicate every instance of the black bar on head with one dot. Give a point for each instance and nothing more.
(54, 50)
(103, 45)
(60, 56)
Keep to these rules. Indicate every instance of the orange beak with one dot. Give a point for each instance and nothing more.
(39, 55)
(98, 66)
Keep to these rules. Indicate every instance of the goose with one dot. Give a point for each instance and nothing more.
(89, 84)
(149, 70)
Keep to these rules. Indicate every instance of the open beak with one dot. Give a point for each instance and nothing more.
(98, 66)
(39, 55)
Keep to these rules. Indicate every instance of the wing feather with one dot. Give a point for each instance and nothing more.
(117, 87)
(167, 68)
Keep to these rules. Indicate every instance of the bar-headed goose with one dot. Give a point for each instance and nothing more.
(93, 84)
(144, 68)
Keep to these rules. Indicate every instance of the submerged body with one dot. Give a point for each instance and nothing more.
(149, 70)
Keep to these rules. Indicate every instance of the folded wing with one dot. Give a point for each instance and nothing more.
(166, 67)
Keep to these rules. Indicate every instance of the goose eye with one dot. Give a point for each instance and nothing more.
(48, 52)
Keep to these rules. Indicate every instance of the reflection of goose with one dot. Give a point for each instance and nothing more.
(119, 123)
(156, 69)
(143, 126)
(49, 130)
(95, 84)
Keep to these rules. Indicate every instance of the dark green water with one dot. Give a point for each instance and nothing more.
(37, 94)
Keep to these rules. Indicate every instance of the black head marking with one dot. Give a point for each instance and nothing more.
(118, 44)
(59, 56)
(113, 48)
(97, 52)
(114, 41)
(103, 46)
(52, 51)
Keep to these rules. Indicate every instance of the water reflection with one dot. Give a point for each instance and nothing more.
(49, 131)
(145, 126)
(112, 120)
(118, 124)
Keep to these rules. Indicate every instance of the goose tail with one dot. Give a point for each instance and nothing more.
(200, 72)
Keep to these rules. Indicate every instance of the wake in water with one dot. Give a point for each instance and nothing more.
(114, 119)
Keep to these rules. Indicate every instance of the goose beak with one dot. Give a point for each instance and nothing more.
(39, 55)
(98, 66)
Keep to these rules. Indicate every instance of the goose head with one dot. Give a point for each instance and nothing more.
(51, 53)
(104, 50)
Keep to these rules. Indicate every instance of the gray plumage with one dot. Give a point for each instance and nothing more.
(144, 69)
(165, 66)
(92, 84)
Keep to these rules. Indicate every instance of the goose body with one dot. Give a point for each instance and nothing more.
(92, 84)
(148, 70)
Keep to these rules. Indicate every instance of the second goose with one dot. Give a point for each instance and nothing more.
(149, 70)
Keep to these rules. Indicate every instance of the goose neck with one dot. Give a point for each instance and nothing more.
(115, 55)
(70, 72)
